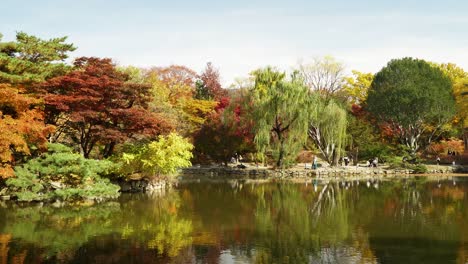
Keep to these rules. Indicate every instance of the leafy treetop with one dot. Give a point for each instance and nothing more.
(30, 59)
(95, 104)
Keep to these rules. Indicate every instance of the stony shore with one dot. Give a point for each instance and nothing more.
(302, 171)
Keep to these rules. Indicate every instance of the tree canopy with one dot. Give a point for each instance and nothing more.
(411, 97)
(325, 75)
(357, 86)
(281, 114)
(22, 127)
(30, 59)
(157, 158)
(95, 105)
(327, 129)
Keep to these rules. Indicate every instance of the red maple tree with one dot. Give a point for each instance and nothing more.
(96, 105)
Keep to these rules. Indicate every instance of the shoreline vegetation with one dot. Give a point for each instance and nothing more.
(88, 128)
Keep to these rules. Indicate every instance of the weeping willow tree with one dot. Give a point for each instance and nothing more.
(281, 114)
(328, 130)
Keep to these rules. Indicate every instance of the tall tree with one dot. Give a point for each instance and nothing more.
(179, 81)
(325, 75)
(174, 93)
(95, 104)
(460, 90)
(459, 78)
(30, 59)
(208, 87)
(227, 130)
(281, 113)
(22, 128)
(410, 96)
(328, 129)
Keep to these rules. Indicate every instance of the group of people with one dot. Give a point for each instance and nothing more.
(346, 161)
(236, 158)
(373, 162)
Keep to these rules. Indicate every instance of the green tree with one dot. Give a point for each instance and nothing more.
(281, 114)
(328, 129)
(30, 59)
(158, 158)
(412, 98)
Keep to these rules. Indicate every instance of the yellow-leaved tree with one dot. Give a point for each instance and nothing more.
(460, 91)
(357, 86)
(158, 158)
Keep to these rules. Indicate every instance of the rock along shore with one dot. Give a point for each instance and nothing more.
(253, 172)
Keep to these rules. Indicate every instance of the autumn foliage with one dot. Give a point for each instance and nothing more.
(22, 127)
(95, 105)
(227, 131)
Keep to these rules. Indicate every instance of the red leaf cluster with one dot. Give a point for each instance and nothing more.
(97, 105)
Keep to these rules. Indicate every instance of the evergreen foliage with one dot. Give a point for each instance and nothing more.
(62, 174)
(32, 60)
(413, 99)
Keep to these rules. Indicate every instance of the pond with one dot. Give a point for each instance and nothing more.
(411, 220)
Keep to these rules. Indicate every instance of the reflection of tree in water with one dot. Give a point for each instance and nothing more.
(61, 234)
(4, 240)
(413, 220)
(295, 225)
(57, 230)
(371, 221)
(347, 222)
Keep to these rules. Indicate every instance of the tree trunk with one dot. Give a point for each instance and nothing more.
(279, 163)
(109, 149)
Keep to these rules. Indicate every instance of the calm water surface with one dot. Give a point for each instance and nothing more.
(413, 220)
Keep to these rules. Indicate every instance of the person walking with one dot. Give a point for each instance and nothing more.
(314, 163)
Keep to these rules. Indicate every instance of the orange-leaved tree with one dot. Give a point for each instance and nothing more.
(22, 127)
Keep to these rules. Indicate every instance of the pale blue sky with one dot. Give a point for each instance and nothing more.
(239, 36)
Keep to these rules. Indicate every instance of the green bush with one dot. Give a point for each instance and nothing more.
(414, 164)
(418, 168)
(62, 174)
(157, 158)
(376, 149)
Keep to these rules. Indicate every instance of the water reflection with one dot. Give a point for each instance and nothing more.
(343, 221)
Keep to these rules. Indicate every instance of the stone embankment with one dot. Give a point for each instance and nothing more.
(253, 172)
(142, 185)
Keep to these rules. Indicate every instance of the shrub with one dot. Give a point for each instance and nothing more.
(157, 158)
(418, 168)
(376, 149)
(62, 174)
(413, 164)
